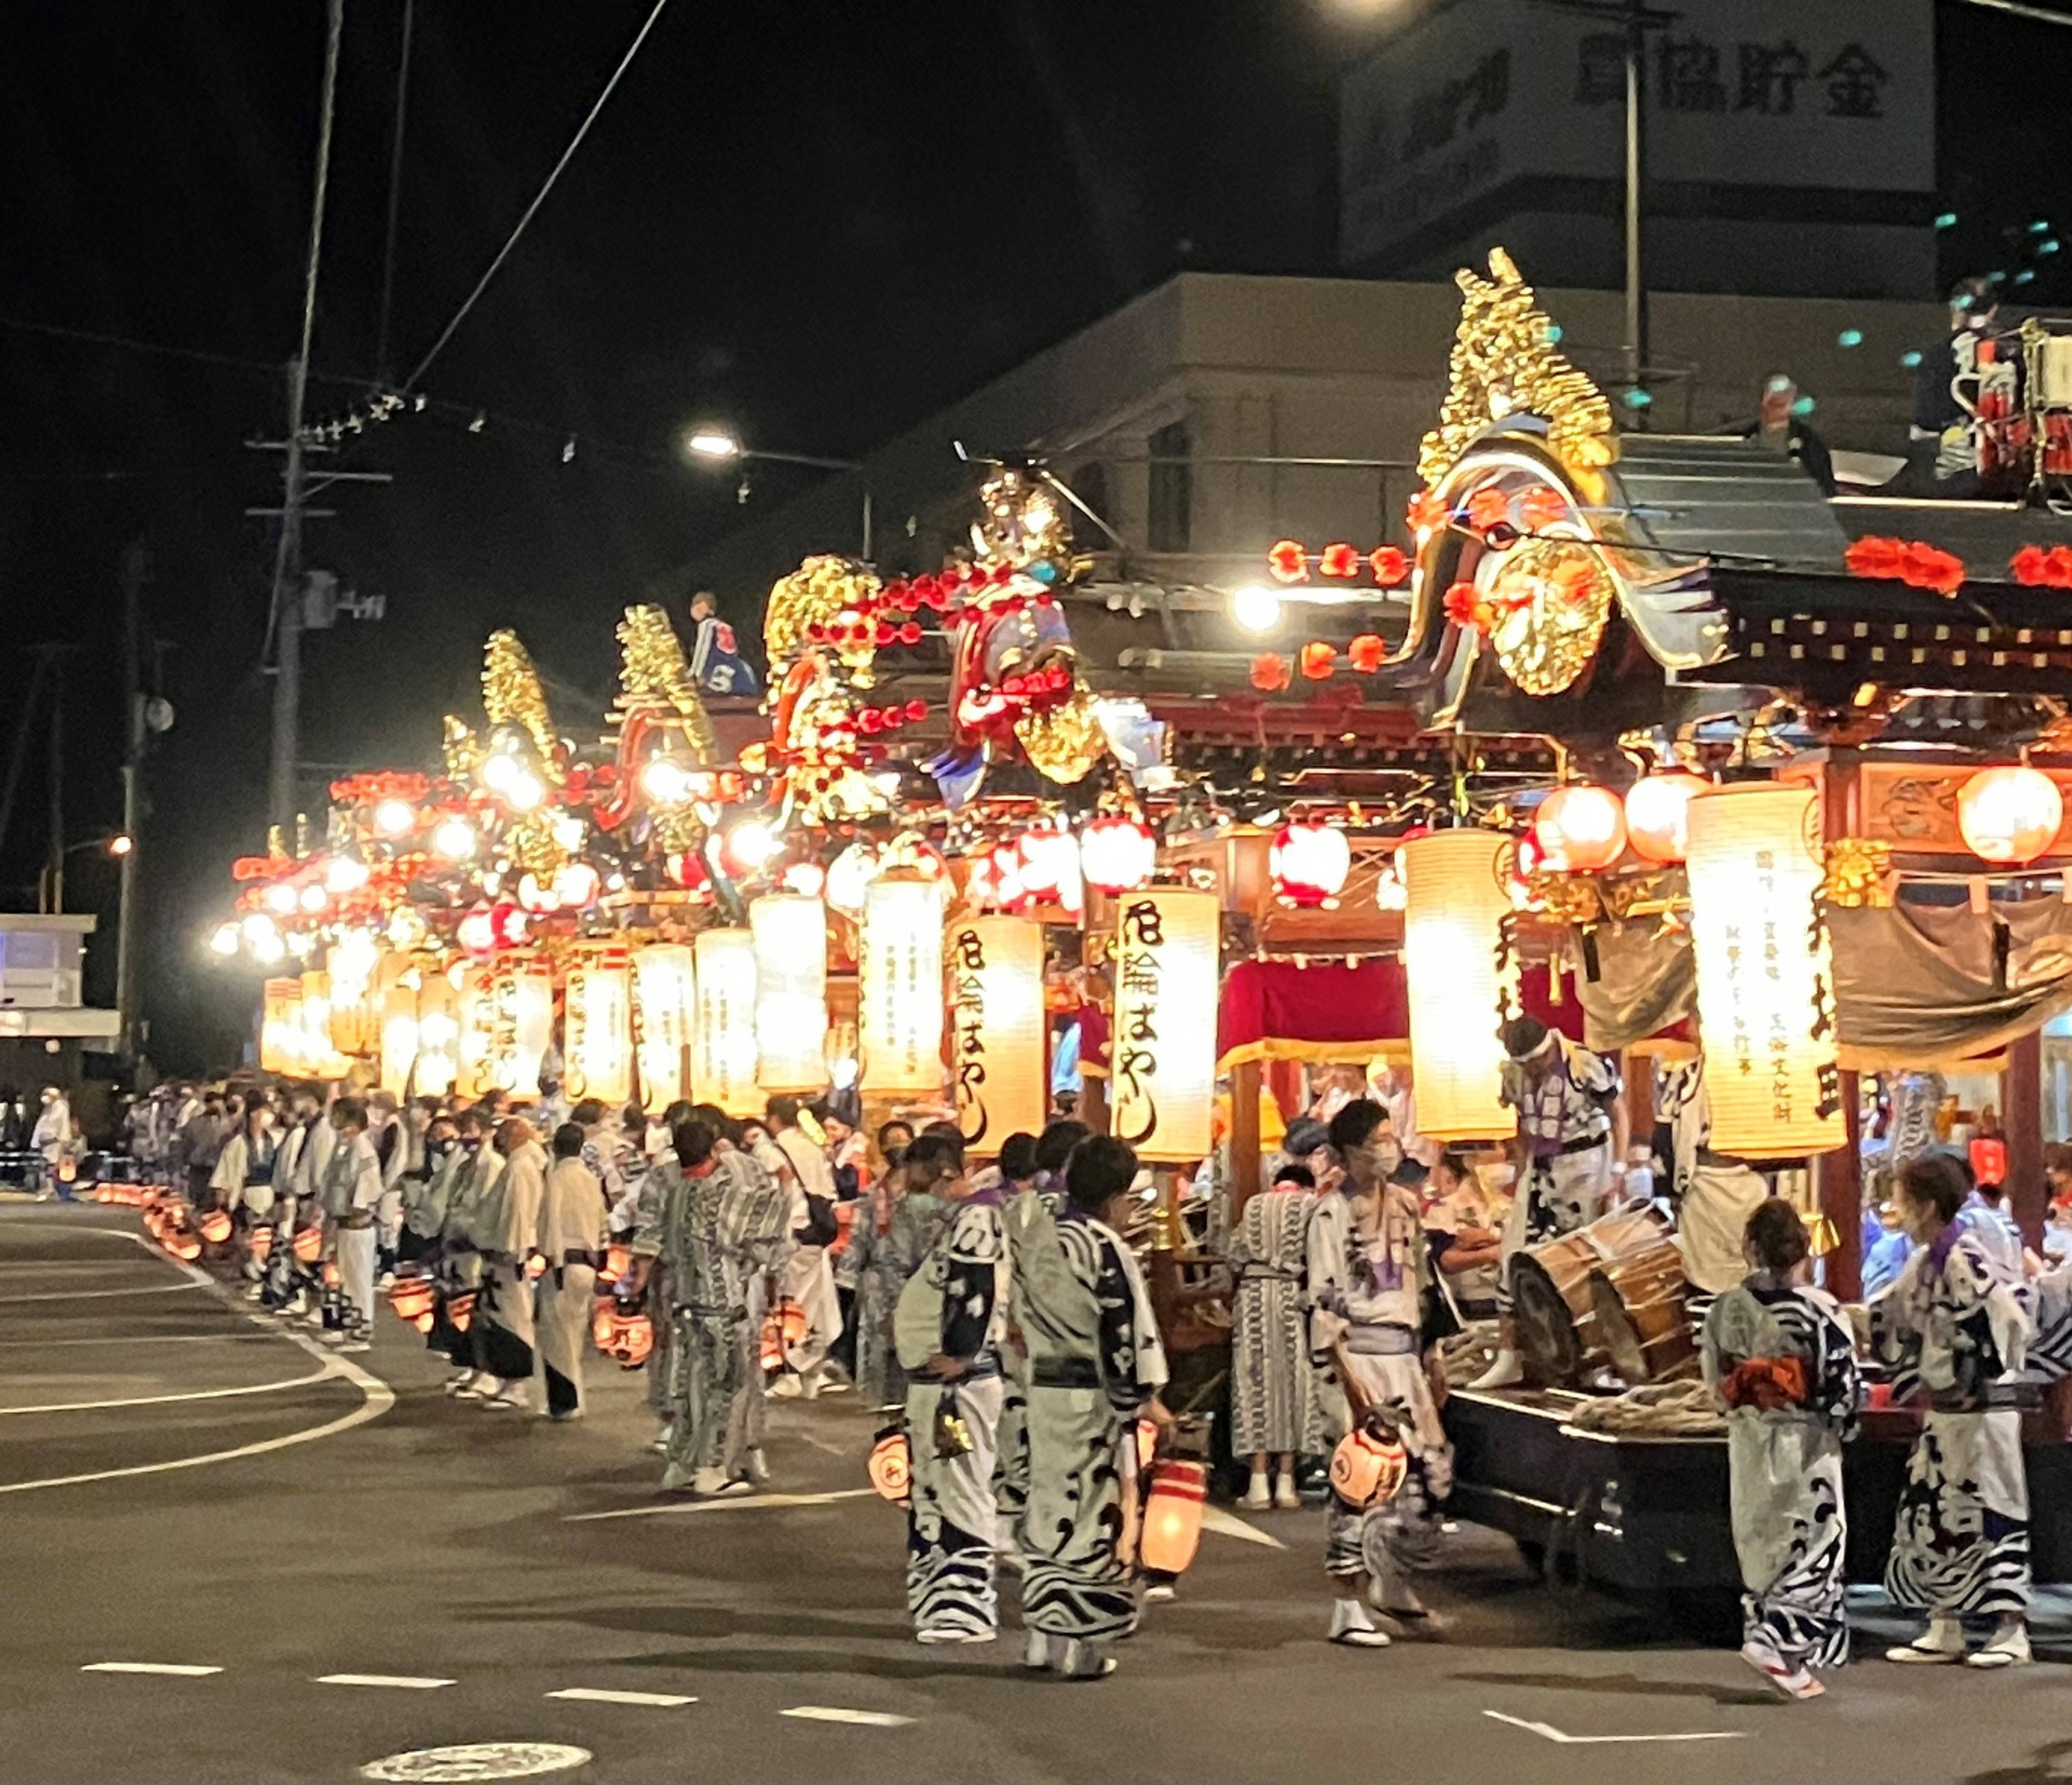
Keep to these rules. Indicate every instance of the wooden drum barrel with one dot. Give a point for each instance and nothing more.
(1642, 1318)
(1559, 1336)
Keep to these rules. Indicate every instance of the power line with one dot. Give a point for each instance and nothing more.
(540, 198)
(198, 355)
(395, 189)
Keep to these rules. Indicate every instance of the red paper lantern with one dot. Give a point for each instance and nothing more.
(1658, 809)
(1310, 861)
(1173, 1515)
(1368, 1467)
(2010, 814)
(892, 1465)
(1580, 828)
(1117, 855)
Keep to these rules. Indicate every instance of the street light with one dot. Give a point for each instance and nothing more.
(51, 882)
(719, 444)
(711, 443)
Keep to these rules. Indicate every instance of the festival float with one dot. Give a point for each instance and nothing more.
(1639, 734)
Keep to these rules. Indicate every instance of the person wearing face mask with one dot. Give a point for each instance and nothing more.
(428, 1191)
(351, 1195)
(508, 1224)
(243, 1180)
(1375, 1323)
(473, 1210)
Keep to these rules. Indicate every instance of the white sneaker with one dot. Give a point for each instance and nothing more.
(1285, 1498)
(787, 1388)
(356, 1345)
(469, 1386)
(1258, 1498)
(1941, 1642)
(830, 1384)
(1038, 1651)
(1505, 1373)
(387, 1280)
(1351, 1626)
(759, 1466)
(2008, 1648)
(1159, 1592)
(508, 1394)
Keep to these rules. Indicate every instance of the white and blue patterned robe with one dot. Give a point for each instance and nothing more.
(1273, 1400)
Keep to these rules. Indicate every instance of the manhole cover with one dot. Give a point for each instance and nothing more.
(472, 1760)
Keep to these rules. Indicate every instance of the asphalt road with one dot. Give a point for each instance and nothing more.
(181, 1486)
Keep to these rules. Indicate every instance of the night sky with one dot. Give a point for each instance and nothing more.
(820, 221)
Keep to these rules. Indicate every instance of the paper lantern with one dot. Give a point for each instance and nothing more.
(1049, 863)
(260, 1243)
(475, 1010)
(1367, 1466)
(784, 1327)
(723, 1036)
(1580, 828)
(1658, 814)
(280, 1027)
(1117, 855)
(438, 1066)
(998, 1067)
(790, 932)
(215, 1226)
(1766, 1005)
(460, 1310)
(891, 1466)
(597, 1018)
(899, 981)
(319, 1058)
(1310, 861)
(634, 1342)
(352, 962)
(1459, 981)
(2010, 814)
(525, 998)
(410, 1297)
(398, 1036)
(1168, 970)
(308, 1244)
(1173, 1515)
(663, 1002)
(849, 875)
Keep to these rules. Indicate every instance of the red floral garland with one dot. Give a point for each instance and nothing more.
(1913, 562)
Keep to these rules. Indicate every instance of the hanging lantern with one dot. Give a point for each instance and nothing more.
(604, 1323)
(424, 1322)
(1310, 861)
(899, 980)
(410, 1297)
(2009, 815)
(1368, 1467)
(215, 1226)
(849, 874)
(399, 1036)
(352, 962)
(634, 1343)
(1173, 1515)
(438, 1037)
(723, 1038)
(598, 1019)
(790, 932)
(998, 1064)
(664, 1000)
(1117, 855)
(319, 1058)
(474, 1009)
(259, 1242)
(784, 1327)
(1766, 1005)
(1580, 828)
(1049, 867)
(1456, 902)
(525, 998)
(1168, 968)
(477, 931)
(1658, 814)
(575, 885)
(280, 1027)
(892, 1465)
(460, 1310)
(309, 1245)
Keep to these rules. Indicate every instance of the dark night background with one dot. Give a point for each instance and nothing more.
(819, 221)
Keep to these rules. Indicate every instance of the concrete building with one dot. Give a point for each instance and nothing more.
(45, 1026)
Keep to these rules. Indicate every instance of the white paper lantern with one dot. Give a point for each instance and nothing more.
(355, 1020)
(999, 1064)
(1460, 981)
(665, 1001)
(723, 1038)
(398, 993)
(1162, 1056)
(475, 1010)
(281, 1026)
(598, 1022)
(438, 1066)
(791, 935)
(1765, 976)
(1117, 854)
(900, 988)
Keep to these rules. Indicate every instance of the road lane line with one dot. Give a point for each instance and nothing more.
(1214, 1518)
(161, 1400)
(94, 1294)
(738, 1503)
(1552, 1735)
(176, 1667)
(834, 1714)
(156, 1339)
(408, 1682)
(598, 1695)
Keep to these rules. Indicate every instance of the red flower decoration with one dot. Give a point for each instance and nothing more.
(910, 633)
(1338, 560)
(1487, 508)
(868, 721)
(1389, 565)
(1288, 561)
(1465, 607)
(1923, 566)
(1426, 513)
(1318, 659)
(1366, 652)
(2030, 566)
(1541, 507)
(916, 712)
(1874, 557)
(1269, 673)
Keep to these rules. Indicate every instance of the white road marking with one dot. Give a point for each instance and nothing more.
(160, 1400)
(597, 1695)
(155, 1340)
(181, 1669)
(834, 1714)
(736, 1504)
(1553, 1734)
(94, 1295)
(1214, 1518)
(409, 1682)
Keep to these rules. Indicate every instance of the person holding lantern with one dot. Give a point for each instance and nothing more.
(351, 1195)
(573, 1213)
(1572, 1136)
(1095, 1368)
(900, 1224)
(507, 1224)
(1374, 1321)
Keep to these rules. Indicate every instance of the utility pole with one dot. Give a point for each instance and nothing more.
(287, 596)
(1636, 143)
(57, 869)
(135, 568)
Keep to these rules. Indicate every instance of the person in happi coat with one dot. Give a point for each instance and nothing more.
(902, 1217)
(1095, 1366)
(1568, 1157)
(468, 1235)
(1957, 1336)
(350, 1196)
(509, 1222)
(428, 1190)
(1780, 1360)
(1272, 1401)
(949, 1327)
(572, 1214)
(1374, 1321)
(649, 1277)
(1017, 1179)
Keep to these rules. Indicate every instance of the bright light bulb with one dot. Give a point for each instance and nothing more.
(711, 443)
(256, 926)
(454, 839)
(281, 898)
(121, 843)
(664, 780)
(344, 874)
(566, 829)
(524, 791)
(313, 898)
(1256, 608)
(224, 941)
(751, 843)
(395, 817)
(266, 950)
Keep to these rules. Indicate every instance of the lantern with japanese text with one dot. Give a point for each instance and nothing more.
(1459, 979)
(476, 1011)
(1580, 828)
(790, 932)
(1658, 814)
(1310, 860)
(1173, 1515)
(319, 1058)
(1168, 971)
(1766, 977)
(1368, 1465)
(663, 999)
(438, 1036)
(352, 962)
(1117, 854)
(899, 1018)
(2011, 815)
(723, 1036)
(523, 994)
(597, 1029)
(997, 1064)
(280, 1027)
(399, 1032)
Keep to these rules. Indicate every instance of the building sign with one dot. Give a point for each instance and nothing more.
(1766, 977)
(723, 1035)
(663, 1008)
(997, 1030)
(900, 988)
(1750, 93)
(1168, 974)
(1459, 977)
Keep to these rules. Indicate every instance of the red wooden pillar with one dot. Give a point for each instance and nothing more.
(1243, 1136)
(1839, 1175)
(2021, 1105)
